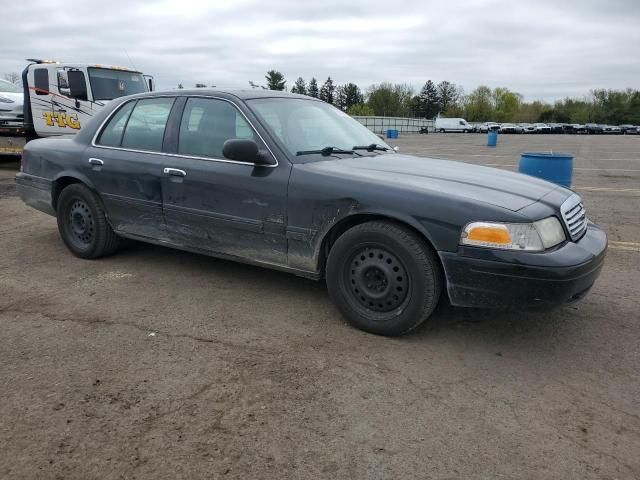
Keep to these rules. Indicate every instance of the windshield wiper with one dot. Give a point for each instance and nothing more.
(371, 148)
(326, 151)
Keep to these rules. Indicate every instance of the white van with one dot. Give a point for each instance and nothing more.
(453, 125)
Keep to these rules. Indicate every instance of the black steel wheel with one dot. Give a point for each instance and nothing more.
(378, 279)
(384, 277)
(82, 223)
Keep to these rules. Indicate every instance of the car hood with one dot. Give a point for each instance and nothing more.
(509, 190)
(13, 96)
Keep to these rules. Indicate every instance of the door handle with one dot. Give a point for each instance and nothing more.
(96, 164)
(174, 172)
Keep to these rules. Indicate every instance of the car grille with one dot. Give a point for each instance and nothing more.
(574, 216)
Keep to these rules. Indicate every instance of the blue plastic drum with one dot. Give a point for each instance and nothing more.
(554, 167)
(492, 138)
(392, 133)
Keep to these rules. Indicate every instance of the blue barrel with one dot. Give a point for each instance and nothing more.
(555, 167)
(492, 138)
(391, 133)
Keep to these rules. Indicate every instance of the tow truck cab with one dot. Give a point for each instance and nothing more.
(59, 98)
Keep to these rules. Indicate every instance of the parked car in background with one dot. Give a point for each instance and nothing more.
(527, 127)
(489, 126)
(453, 125)
(630, 129)
(573, 128)
(611, 130)
(593, 128)
(511, 128)
(11, 106)
(239, 175)
(541, 128)
(556, 127)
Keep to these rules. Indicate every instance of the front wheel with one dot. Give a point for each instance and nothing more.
(83, 225)
(383, 277)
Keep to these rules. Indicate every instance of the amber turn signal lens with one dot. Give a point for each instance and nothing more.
(490, 234)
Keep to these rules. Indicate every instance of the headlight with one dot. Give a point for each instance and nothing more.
(532, 237)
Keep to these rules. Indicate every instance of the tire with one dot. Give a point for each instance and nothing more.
(442, 130)
(383, 277)
(83, 225)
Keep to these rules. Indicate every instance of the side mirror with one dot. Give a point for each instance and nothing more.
(77, 85)
(150, 82)
(245, 150)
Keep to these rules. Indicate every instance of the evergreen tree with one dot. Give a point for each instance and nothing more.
(352, 95)
(312, 91)
(448, 95)
(327, 91)
(299, 87)
(340, 98)
(428, 100)
(275, 80)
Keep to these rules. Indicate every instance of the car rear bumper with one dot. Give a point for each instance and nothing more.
(495, 279)
(35, 192)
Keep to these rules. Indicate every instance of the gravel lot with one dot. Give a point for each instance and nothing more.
(155, 363)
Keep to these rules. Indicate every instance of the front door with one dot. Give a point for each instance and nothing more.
(222, 206)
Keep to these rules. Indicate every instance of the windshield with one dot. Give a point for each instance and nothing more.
(307, 125)
(108, 84)
(9, 87)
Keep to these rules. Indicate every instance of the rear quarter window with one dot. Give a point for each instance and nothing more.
(111, 135)
(146, 125)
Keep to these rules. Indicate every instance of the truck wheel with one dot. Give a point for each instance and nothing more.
(442, 130)
(83, 225)
(383, 278)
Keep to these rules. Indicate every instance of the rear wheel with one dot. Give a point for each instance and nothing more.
(83, 225)
(442, 130)
(383, 278)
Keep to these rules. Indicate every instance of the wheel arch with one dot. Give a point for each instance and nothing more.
(63, 180)
(350, 221)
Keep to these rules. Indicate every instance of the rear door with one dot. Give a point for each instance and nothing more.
(126, 163)
(218, 205)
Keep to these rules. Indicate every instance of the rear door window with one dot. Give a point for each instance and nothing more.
(146, 125)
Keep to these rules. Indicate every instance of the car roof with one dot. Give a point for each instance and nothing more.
(246, 94)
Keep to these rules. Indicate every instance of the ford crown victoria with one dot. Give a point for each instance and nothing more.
(289, 182)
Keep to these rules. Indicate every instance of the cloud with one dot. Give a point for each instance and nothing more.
(542, 49)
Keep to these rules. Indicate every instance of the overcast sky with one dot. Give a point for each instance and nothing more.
(541, 49)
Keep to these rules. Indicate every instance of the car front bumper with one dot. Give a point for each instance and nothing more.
(486, 278)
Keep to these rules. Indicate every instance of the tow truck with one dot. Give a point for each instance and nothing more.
(59, 98)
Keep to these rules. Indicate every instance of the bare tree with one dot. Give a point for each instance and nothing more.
(12, 77)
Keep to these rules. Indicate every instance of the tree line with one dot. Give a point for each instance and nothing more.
(450, 100)
(345, 97)
(447, 99)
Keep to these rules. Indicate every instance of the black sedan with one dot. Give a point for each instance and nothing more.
(594, 129)
(289, 182)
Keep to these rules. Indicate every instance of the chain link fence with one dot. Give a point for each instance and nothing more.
(380, 125)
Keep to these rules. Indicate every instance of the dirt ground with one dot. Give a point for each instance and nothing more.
(157, 364)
